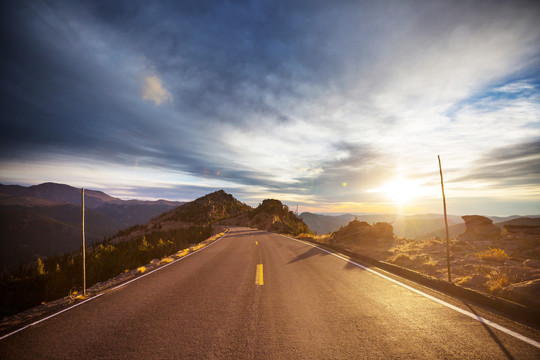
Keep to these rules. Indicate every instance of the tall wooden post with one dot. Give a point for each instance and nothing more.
(445, 223)
(83, 247)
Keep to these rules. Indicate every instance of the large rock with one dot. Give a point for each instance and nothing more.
(533, 263)
(360, 232)
(479, 228)
(475, 281)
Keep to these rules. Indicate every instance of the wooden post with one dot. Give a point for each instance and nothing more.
(445, 223)
(83, 247)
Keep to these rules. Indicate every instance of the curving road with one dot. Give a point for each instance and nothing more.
(257, 295)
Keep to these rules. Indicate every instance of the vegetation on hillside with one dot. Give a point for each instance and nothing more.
(57, 276)
(205, 210)
(272, 215)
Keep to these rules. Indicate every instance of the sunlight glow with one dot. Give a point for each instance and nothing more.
(400, 191)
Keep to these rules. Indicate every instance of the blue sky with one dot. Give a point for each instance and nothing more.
(338, 106)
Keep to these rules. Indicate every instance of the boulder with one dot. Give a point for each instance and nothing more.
(533, 263)
(479, 228)
(475, 281)
(361, 233)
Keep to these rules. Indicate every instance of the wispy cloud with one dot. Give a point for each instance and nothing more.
(288, 100)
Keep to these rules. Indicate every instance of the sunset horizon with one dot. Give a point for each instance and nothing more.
(339, 107)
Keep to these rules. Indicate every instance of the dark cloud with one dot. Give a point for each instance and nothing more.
(72, 73)
(509, 166)
(222, 62)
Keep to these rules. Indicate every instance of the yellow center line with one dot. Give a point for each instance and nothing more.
(256, 243)
(259, 275)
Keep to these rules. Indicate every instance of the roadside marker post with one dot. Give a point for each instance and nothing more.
(445, 223)
(83, 246)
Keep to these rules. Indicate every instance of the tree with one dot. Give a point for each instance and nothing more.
(40, 267)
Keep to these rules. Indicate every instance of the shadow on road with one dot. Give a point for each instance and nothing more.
(492, 334)
(242, 233)
(350, 266)
(310, 253)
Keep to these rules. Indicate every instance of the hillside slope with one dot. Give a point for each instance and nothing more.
(205, 210)
(45, 220)
(271, 215)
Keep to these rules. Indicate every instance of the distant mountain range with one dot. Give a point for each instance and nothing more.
(45, 219)
(413, 227)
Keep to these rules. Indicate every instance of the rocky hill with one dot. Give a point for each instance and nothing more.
(205, 210)
(271, 215)
(361, 233)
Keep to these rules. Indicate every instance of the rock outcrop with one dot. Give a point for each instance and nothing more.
(479, 228)
(362, 233)
(270, 215)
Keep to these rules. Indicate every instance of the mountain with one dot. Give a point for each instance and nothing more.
(404, 226)
(222, 209)
(54, 193)
(323, 224)
(457, 229)
(43, 220)
(205, 210)
(273, 216)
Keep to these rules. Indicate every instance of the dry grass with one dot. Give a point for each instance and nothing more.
(166, 260)
(74, 295)
(182, 253)
(217, 236)
(462, 281)
(319, 238)
(402, 259)
(493, 254)
(497, 281)
(197, 247)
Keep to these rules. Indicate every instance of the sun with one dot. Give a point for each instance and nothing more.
(401, 191)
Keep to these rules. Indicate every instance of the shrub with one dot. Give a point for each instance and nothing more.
(497, 281)
(402, 259)
(493, 254)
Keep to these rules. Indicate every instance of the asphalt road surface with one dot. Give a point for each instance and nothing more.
(256, 295)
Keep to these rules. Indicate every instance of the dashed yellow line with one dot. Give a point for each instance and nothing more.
(259, 275)
(256, 243)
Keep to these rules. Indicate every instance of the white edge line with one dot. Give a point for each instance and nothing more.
(453, 307)
(107, 290)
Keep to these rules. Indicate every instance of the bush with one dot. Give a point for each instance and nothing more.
(497, 281)
(493, 254)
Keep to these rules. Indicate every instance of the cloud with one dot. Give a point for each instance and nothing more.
(153, 90)
(509, 166)
(288, 99)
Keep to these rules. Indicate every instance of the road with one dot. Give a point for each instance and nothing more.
(257, 295)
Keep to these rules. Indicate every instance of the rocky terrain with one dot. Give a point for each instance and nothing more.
(270, 215)
(503, 262)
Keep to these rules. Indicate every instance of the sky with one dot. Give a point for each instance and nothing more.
(337, 106)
